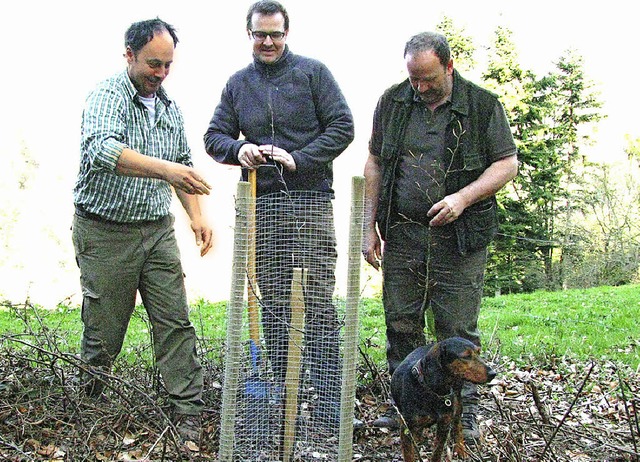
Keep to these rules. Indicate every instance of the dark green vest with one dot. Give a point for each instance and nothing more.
(466, 142)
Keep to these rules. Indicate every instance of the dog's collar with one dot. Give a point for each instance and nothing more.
(416, 370)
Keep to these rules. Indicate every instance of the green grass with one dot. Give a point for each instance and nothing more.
(598, 323)
(61, 327)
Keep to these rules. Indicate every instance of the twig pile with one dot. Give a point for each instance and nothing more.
(45, 415)
(563, 410)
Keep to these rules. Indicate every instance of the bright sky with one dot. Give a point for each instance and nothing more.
(55, 53)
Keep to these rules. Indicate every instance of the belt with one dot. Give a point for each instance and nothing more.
(95, 217)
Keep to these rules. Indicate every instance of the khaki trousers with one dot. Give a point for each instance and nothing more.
(118, 260)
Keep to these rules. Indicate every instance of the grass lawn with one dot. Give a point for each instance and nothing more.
(594, 323)
(598, 323)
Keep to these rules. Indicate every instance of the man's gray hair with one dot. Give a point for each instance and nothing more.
(429, 41)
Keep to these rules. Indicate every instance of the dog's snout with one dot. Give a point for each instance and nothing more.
(491, 374)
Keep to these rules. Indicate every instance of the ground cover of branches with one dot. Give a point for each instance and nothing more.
(562, 410)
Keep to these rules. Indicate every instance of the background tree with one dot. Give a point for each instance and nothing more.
(515, 263)
(607, 250)
(461, 44)
(550, 118)
(632, 148)
(575, 111)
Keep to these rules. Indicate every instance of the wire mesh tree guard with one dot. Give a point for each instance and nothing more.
(291, 349)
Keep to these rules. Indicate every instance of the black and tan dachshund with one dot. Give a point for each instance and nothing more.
(426, 388)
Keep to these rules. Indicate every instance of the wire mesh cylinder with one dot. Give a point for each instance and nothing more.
(296, 380)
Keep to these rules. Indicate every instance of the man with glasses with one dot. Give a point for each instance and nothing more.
(294, 121)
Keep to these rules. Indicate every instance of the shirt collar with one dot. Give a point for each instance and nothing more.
(417, 99)
(133, 93)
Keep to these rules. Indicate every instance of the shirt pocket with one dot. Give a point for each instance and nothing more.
(474, 161)
(388, 150)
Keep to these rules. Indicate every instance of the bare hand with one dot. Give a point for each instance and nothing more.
(279, 155)
(250, 156)
(446, 211)
(204, 236)
(372, 249)
(186, 179)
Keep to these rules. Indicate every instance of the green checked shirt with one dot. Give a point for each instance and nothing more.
(114, 118)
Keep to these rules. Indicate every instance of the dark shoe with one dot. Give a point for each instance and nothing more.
(470, 429)
(188, 427)
(329, 417)
(390, 419)
(93, 381)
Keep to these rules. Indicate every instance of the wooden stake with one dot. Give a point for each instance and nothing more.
(252, 286)
(294, 357)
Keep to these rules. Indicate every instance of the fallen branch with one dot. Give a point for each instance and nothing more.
(566, 414)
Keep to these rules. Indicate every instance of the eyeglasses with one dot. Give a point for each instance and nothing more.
(261, 36)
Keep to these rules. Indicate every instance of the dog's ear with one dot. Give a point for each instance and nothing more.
(445, 354)
(456, 348)
(433, 355)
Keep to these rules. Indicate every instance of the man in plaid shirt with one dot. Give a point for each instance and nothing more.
(133, 150)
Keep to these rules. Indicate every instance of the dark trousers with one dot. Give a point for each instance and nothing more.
(423, 270)
(297, 231)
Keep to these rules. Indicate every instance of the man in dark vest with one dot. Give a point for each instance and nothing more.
(440, 149)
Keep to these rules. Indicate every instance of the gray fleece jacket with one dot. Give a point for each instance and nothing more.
(294, 104)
